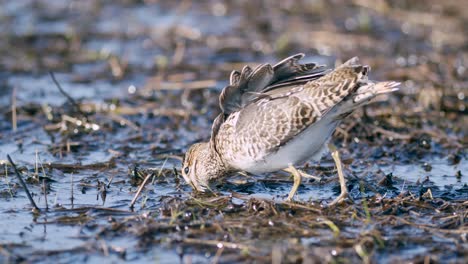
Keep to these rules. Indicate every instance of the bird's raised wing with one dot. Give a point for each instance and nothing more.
(286, 112)
(250, 85)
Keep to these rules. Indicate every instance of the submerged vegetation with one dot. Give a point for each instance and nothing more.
(99, 101)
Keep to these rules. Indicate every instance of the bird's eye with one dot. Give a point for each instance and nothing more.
(186, 170)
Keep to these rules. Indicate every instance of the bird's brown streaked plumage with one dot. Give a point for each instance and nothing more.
(277, 116)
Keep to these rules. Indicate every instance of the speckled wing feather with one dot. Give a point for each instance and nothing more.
(285, 113)
(250, 85)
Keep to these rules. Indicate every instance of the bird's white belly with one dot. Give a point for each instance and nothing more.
(310, 144)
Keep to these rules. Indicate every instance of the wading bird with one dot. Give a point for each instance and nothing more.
(277, 117)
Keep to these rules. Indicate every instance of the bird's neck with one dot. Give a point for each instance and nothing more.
(217, 160)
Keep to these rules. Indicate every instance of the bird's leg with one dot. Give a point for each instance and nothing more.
(297, 182)
(344, 191)
(303, 174)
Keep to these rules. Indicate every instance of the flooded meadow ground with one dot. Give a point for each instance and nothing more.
(137, 82)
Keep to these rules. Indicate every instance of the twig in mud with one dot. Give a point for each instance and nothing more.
(169, 156)
(68, 146)
(74, 167)
(139, 189)
(153, 109)
(332, 226)
(102, 191)
(44, 188)
(110, 181)
(31, 200)
(301, 206)
(218, 254)
(176, 178)
(69, 98)
(214, 202)
(193, 85)
(124, 121)
(160, 170)
(361, 249)
(178, 53)
(7, 181)
(5, 253)
(13, 110)
(36, 165)
(391, 134)
(71, 190)
(104, 248)
(105, 210)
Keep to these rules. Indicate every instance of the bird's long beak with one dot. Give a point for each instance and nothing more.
(193, 185)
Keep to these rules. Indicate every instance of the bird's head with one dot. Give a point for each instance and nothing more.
(200, 166)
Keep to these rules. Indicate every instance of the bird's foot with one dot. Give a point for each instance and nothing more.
(302, 173)
(297, 181)
(309, 176)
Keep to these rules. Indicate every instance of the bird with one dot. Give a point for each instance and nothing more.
(277, 117)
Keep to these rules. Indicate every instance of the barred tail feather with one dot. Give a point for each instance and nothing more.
(367, 92)
(363, 95)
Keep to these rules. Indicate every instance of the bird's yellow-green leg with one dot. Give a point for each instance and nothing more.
(297, 181)
(344, 191)
(303, 174)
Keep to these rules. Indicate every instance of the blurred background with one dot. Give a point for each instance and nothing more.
(140, 82)
(102, 48)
